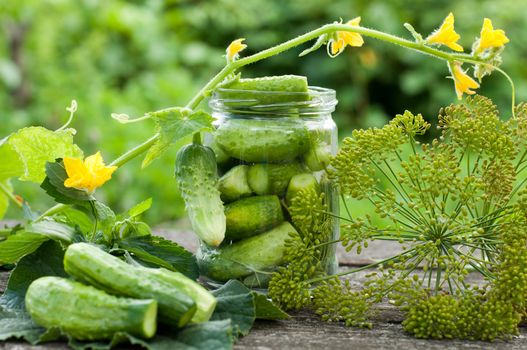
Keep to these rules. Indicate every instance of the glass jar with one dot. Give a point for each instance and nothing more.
(268, 146)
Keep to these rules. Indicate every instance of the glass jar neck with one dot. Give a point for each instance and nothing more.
(318, 102)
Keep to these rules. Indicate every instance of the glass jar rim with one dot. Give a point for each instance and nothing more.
(253, 102)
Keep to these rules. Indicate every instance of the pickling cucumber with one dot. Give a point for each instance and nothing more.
(87, 313)
(90, 264)
(272, 178)
(300, 182)
(258, 141)
(205, 301)
(249, 216)
(282, 89)
(233, 185)
(197, 177)
(263, 252)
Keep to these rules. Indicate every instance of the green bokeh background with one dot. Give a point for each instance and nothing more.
(137, 56)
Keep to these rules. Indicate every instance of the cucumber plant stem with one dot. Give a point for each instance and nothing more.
(10, 195)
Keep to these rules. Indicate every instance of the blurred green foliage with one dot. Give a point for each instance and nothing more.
(142, 55)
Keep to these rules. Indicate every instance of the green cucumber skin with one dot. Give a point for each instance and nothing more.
(250, 89)
(87, 313)
(90, 264)
(240, 259)
(259, 141)
(272, 178)
(233, 185)
(197, 177)
(249, 216)
(205, 301)
(300, 182)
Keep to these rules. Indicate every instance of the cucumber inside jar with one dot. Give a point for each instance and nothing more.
(266, 159)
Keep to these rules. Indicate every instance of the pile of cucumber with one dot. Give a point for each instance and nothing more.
(109, 296)
(265, 162)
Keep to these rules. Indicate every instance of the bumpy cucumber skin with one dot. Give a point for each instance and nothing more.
(249, 216)
(250, 89)
(258, 141)
(257, 253)
(233, 185)
(272, 178)
(197, 177)
(87, 313)
(92, 265)
(205, 301)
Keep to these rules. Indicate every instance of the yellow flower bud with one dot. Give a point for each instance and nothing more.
(235, 48)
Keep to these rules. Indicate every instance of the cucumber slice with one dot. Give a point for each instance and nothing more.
(272, 178)
(249, 216)
(263, 252)
(299, 182)
(318, 156)
(281, 89)
(233, 185)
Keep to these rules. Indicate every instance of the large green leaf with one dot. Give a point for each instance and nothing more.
(174, 124)
(35, 146)
(158, 251)
(11, 164)
(14, 320)
(266, 309)
(26, 242)
(19, 245)
(45, 261)
(236, 302)
(214, 335)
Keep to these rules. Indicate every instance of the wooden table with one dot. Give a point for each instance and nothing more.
(305, 331)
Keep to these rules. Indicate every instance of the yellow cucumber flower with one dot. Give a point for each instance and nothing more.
(462, 82)
(490, 37)
(446, 35)
(336, 46)
(235, 48)
(87, 175)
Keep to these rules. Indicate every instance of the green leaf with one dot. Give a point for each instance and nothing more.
(140, 208)
(105, 219)
(157, 251)
(35, 146)
(16, 324)
(236, 302)
(11, 164)
(53, 184)
(212, 335)
(19, 245)
(215, 335)
(52, 229)
(14, 320)
(4, 199)
(77, 218)
(172, 125)
(26, 242)
(45, 261)
(266, 309)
